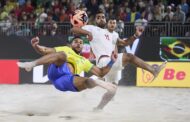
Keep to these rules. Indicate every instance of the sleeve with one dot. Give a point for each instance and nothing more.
(88, 65)
(59, 49)
(88, 28)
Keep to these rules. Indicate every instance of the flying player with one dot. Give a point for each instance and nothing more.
(103, 42)
(65, 63)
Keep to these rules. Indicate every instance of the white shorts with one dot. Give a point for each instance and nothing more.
(115, 73)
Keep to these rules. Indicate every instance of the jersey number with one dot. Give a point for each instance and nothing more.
(107, 37)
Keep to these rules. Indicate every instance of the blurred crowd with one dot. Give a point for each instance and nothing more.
(53, 12)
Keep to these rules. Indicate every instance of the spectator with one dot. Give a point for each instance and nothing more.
(126, 6)
(122, 14)
(28, 8)
(56, 5)
(71, 8)
(40, 19)
(142, 22)
(120, 27)
(162, 8)
(105, 7)
(23, 17)
(17, 11)
(31, 18)
(148, 14)
(56, 15)
(5, 25)
(92, 7)
(179, 15)
(133, 15)
(39, 9)
(157, 16)
(82, 6)
(76, 2)
(169, 14)
(10, 5)
(63, 16)
(21, 2)
(141, 4)
(184, 6)
(3, 15)
(13, 18)
(112, 10)
(50, 26)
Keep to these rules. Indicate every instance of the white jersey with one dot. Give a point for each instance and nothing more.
(115, 37)
(102, 42)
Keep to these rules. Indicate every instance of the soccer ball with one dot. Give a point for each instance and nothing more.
(79, 18)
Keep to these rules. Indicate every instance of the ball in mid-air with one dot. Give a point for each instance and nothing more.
(79, 18)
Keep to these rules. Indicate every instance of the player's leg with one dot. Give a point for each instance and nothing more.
(57, 58)
(83, 83)
(130, 58)
(114, 75)
(106, 98)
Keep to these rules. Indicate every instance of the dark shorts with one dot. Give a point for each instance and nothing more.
(61, 77)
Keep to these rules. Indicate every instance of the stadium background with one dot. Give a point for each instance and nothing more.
(20, 20)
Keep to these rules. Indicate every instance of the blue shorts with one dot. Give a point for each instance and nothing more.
(61, 77)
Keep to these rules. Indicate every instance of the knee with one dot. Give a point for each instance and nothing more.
(61, 56)
(113, 90)
(90, 83)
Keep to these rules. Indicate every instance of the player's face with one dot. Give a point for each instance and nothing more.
(100, 20)
(112, 25)
(77, 45)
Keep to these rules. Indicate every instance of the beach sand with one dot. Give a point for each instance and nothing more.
(43, 103)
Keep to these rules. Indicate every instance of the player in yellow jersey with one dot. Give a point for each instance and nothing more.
(65, 66)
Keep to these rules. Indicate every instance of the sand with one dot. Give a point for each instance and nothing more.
(43, 103)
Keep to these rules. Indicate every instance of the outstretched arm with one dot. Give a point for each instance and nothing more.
(100, 72)
(80, 31)
(41, 49)
(130, 40)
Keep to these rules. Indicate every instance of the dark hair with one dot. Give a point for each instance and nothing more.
(75, 37)
(112, 18)
(100, 11)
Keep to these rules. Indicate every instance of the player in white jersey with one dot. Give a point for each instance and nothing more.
(103, 42)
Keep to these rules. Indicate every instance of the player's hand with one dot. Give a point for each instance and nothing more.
(35, 44)
(89, 36)
(114, 56)
(139, 31)
(35, 41)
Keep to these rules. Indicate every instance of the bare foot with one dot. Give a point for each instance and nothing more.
(157, 69)
(26, 65)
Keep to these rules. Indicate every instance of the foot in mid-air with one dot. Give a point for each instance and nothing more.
(26, 65)
(158, 68)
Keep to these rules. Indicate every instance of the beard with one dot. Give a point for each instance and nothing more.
(101, 25)
(76, 51)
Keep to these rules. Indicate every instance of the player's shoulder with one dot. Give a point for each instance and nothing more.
(115, 33)
(62, 48)
(89, 26)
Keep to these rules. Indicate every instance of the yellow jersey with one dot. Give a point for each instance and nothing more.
(79, 63)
